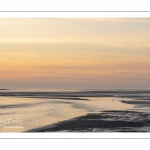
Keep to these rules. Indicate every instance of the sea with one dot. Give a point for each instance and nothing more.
(23, 110)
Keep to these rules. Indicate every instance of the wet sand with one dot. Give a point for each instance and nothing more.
(137, 102)
(79, 111)
(39, 112)
(108, 121)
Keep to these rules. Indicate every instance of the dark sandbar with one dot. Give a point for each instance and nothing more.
(137, 102)
(112, 121)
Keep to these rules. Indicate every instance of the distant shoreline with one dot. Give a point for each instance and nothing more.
(79, 95)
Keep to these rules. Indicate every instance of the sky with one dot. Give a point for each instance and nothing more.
(75, 53)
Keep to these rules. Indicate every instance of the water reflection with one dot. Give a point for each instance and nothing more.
(19, 114)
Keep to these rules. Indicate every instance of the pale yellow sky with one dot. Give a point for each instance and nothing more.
(74, 53)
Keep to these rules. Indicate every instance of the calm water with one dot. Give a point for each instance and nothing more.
(18, 114)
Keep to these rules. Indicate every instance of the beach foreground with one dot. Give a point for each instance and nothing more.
(108, 121)
(75, 111)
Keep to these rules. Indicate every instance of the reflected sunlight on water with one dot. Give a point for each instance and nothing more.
(21, 114)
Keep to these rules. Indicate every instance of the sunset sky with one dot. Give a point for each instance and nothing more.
(75, 53)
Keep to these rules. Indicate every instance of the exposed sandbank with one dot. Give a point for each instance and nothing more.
(112, 121)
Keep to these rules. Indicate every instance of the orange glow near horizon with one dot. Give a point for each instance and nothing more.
(78, 53)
